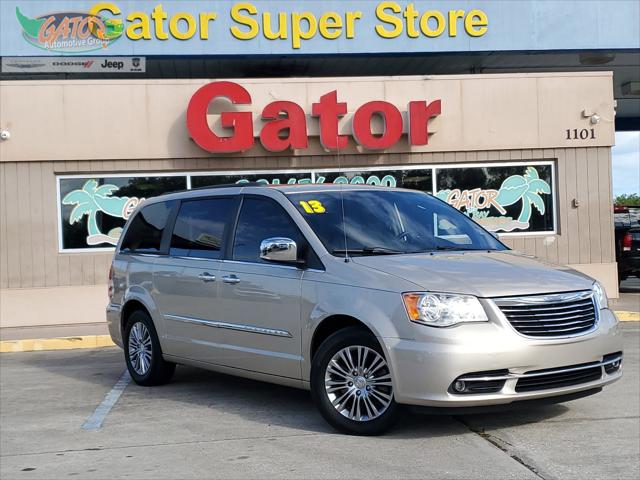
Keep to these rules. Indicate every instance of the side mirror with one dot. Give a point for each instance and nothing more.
(279, 249)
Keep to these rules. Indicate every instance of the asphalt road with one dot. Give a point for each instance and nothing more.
(215, 426)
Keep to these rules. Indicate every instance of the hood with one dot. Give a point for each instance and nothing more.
(479, 273)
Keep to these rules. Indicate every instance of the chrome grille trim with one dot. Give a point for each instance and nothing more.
(545, 298)
(553, 371)
(565, 320)
(557, 310)
(586, 310)
(550, 316)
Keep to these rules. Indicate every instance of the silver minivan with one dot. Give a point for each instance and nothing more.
(370, 297)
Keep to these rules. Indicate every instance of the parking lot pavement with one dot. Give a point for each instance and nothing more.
(205, 424)
(629, 295)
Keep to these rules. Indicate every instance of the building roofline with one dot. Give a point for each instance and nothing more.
(307, 80)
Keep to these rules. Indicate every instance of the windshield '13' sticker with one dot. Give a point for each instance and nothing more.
(312, 206)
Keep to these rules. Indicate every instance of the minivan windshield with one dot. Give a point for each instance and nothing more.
(387, 222)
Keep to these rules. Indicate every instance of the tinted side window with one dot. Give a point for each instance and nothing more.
(145, 232)
(261, 218)
(200, 227)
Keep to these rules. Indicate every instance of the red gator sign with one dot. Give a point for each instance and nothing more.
(285, 124)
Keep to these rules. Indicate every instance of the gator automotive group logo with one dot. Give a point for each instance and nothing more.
(69, 32)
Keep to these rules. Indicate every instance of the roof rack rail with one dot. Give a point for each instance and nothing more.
(228, 185)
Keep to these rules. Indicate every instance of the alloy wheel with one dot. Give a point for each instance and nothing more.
(140, 350)
(358, 383)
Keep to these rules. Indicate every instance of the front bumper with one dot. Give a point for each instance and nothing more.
(424, 368)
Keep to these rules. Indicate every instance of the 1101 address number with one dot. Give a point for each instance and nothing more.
(582, 134)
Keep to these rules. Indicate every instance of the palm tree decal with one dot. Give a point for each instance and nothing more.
(90, 200)
(526, 188)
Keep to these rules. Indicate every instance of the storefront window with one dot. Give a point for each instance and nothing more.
(514, 198)
(94, 209)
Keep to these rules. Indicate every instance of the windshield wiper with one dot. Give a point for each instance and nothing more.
(447, 248)
(452, 247)
(367, 251)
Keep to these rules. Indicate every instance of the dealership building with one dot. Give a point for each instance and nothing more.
(505, 110)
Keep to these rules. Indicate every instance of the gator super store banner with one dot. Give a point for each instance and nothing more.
(263, 27)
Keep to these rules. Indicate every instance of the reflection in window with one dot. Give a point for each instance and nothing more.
(145, 232)
(200, 228)
(261, 218)
(392, 221)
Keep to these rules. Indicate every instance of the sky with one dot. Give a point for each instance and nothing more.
(626, 163)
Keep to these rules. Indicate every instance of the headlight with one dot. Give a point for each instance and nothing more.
(600, 296)
(443, 310)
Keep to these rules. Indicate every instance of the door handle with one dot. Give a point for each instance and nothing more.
(207, 277)
(232, 279)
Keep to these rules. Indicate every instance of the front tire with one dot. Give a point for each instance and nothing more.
(142, 352)
(351, 383)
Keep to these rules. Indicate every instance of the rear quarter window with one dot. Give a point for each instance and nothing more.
(200, 227)
(144, 234)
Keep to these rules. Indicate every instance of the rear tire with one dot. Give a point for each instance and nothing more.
(351, 383)
(142, 352)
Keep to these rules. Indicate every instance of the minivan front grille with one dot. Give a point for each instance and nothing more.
(557, 315)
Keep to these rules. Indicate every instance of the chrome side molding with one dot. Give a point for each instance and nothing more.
(231, 326)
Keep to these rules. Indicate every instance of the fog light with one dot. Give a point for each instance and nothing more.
(615, 365)
(612, 367)
(459, 386)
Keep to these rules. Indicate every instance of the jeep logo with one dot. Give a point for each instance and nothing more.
(111, 64)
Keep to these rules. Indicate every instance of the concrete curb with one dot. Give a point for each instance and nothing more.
(97, 341)
(628, 316)
(63, 343)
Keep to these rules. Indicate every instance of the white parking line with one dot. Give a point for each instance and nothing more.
(99, 414)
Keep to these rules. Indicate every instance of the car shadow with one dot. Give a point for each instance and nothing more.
(256, 401)
(293, 408)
